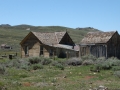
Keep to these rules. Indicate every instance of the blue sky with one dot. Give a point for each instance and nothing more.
(101, 14)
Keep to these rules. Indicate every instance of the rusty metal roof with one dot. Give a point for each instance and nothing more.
(97, 37)
(49, 38)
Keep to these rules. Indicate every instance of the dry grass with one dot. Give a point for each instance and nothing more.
(52, 78)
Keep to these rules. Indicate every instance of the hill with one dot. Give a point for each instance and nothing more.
(12, 35)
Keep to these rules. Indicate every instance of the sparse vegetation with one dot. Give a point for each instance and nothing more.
(59, 74)
(88, 62)
(46, 61)
(37, 66)
(34, 60)
(2, 69)
(74, 61)
(36, 73)
(117, 73)
(59, 65)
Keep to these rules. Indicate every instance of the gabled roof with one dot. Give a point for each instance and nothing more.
(47, 38)
(97, 37)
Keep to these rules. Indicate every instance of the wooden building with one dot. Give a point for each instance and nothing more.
(48, 45)
(101, 44)
(7, 47)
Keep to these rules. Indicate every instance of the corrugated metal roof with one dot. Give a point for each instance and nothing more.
(49, 38)
(97, 37)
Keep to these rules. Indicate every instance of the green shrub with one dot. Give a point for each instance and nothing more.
(74, 61)
(1, 85)
(13, 63)
(24, 66)
(9, 64)
(106, 66)
(59, 65)
(46, 61)
(88, 62)
(37, 66)
(23, 75)
(114, 61)
(116, 68)
(2, 69)
(34, 60)
(117, 73)
(89, 56)
(54, 63)
(100, 60)
(20, 63)
(95, 68)
(62, 61)
(103, 63)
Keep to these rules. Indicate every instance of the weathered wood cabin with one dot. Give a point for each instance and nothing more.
(7, 47)
(101, 44)
(48, 45)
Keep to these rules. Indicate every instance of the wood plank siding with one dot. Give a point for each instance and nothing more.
(101, 44)
(113, 46)
(33, 46)
(96, 50)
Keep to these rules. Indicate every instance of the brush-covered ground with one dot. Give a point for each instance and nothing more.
(38, 73)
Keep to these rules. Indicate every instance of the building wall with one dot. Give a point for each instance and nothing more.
(113, 46)
(84, 50)
(48, 50)
(98, 50)
(34, 50)
(33, 47)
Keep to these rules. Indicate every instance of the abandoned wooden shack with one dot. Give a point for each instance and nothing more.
(4, 46)
(48, 45)
(101, 44)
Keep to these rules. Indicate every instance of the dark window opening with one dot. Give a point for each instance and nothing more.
(26, 50)
(51, 52)
(41, 50)
(62, 55)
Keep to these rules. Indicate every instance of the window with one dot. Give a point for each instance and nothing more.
(51, 52)
(26, 50)
(41, 50)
